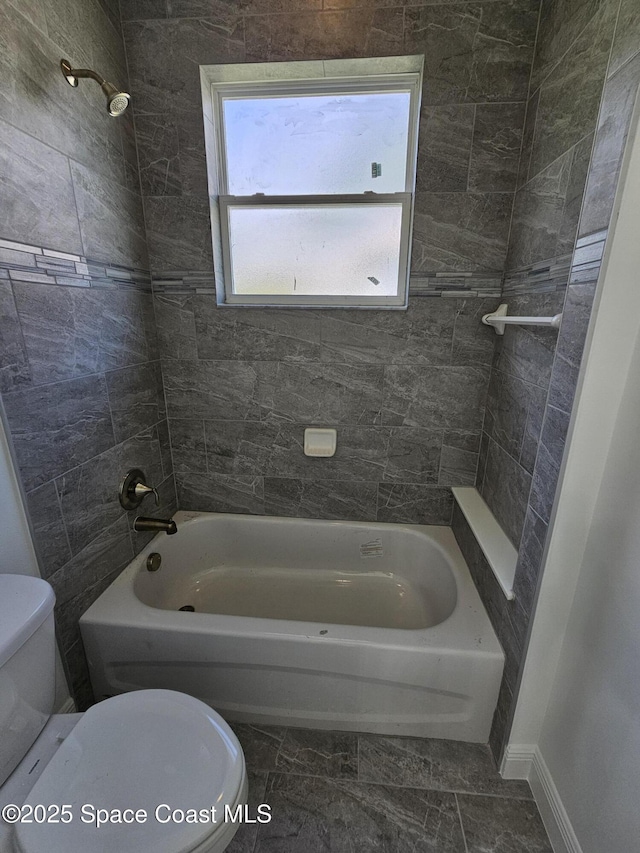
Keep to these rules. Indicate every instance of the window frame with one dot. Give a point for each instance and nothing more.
(366, 81)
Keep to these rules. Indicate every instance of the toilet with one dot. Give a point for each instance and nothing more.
(160, 764)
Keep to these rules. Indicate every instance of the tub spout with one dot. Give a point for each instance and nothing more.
(155, 525)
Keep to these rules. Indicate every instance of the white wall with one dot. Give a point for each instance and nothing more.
(579, 706)
(17, 555)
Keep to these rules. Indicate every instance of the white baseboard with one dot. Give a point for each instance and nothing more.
(524, 761)
(68, 707)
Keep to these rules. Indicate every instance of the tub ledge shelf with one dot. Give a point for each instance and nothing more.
(495, 544)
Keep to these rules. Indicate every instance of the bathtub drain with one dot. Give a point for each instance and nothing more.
(189, 608)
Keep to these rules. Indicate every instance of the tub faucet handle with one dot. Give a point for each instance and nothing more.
(133, 490)
(141, 491)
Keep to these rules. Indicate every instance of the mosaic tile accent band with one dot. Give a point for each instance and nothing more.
(20, 262)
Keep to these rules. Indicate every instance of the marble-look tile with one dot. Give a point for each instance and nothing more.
(413, 455)
(220, 493)
(534, 537)
(165, 448)
(527, 352)
(482, 460)
(435, 397)
(330, 394)
(473, 52)
(141, 10)
(111, 219)
(561, 22)
(56, 427)
(159, 153)
(136, 398)
(411, 504)
(549, 459)
(571, 340)
(71, 331)
(505, 488)
(444, 147)
(531, 438)
(354, 500)
(37, 193)
(443, 765)
(188, 447)
(460, 231)
(176, 326)
(538, 215)
(506, 412)
(570, 95)
(277, 449)
(311, 814)
(178, 233)
(260, 744)
(502, 826)
(614, 121)
(245, 838)
(77, 673)
(527, 139)
(49, 534)
(420, 335)
(89, 493)
(495, 154)
(164, 57)
(510, 633)
(473, 342)
(109, 552)
(580, 165)
(14, 367)
(230, 390)
(459, 458)
(315, 753)
(324, 35)
(626, 39)
(501, 721)
(255, 334)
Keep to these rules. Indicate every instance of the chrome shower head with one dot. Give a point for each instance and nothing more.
(117, 101)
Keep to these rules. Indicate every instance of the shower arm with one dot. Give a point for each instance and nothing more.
(75, 74)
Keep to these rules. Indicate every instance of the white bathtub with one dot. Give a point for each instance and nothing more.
(325, 624)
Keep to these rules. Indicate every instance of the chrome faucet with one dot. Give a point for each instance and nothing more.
(155, 525)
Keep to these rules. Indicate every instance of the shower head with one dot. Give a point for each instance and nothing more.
(117, 101)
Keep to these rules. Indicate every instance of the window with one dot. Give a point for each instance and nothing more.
(311, 178)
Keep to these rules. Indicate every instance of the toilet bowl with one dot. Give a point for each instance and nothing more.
(152, 771)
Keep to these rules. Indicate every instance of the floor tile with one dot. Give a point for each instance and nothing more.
(318, 753)
(443, 765)
(496, 825)
(245, 838)
(260, 744)
(314, 815)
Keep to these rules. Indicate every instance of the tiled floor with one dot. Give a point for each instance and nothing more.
(335, 792)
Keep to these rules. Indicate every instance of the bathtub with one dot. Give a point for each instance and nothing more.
(324, 624)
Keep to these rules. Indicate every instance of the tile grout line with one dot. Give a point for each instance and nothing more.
(464, 836)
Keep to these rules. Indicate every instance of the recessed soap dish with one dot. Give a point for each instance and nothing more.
(320, 442)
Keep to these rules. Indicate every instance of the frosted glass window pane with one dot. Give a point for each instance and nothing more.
(317, 144)
(336, 250)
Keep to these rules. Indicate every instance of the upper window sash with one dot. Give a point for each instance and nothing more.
(325, 86)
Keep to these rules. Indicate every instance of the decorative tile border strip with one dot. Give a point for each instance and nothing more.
(426, 284)
(28, 264)
(587, 258)
(544, 277)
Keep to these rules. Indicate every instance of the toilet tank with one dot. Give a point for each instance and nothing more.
(27, 665)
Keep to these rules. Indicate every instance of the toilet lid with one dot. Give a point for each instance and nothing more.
(138, 751)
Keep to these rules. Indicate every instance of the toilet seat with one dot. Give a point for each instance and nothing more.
(137, 751)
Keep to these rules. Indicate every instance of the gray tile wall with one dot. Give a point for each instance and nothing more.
(584, 83)
(83, 401)
(405, 390)
(79, 369)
